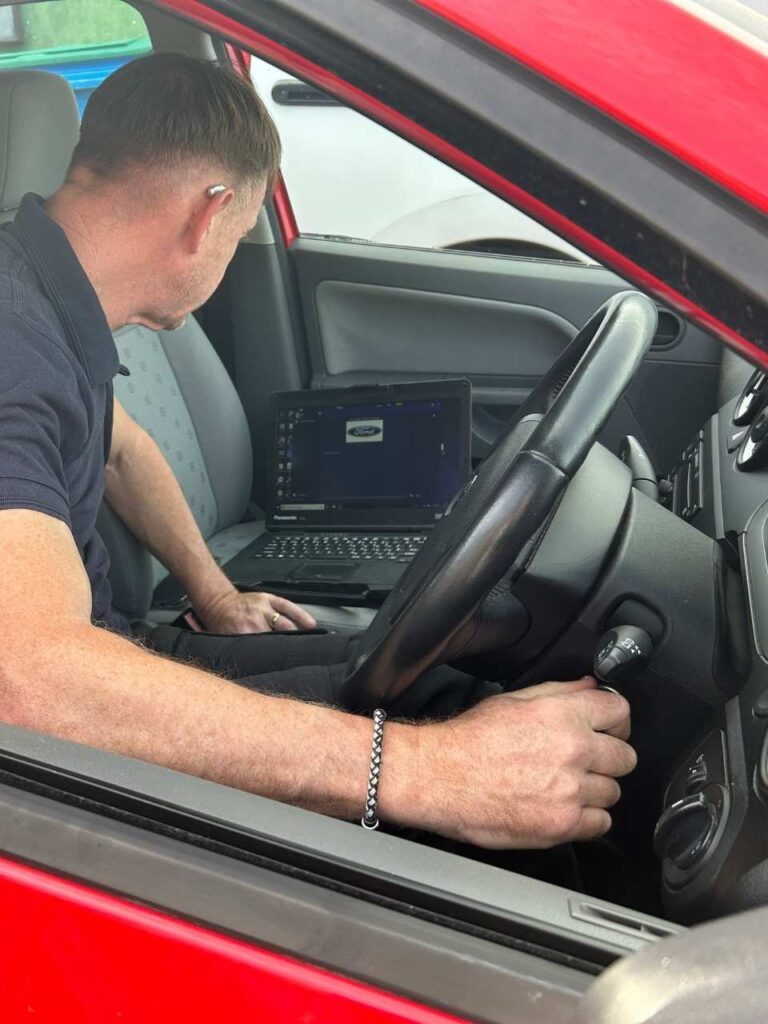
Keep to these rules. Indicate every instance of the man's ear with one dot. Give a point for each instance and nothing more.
(204, 214)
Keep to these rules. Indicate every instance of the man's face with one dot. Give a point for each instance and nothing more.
(195, 276)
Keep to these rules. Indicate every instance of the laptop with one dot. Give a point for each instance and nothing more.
(356, 479)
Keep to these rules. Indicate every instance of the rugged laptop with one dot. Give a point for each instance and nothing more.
(356, 478)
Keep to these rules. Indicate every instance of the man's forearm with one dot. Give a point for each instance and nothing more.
(517, 770)
(91, 686)
(143, 491)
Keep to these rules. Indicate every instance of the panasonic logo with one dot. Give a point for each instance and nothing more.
(287, 519)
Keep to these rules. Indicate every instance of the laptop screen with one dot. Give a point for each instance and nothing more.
(386, 457)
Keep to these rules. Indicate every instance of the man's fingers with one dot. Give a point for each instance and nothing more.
(594, 822)
(555, 689)
(612, 756)
(283, 625)
(600, 791)
(606, 712)
(291, 615)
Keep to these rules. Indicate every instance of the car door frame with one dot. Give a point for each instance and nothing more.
(84, 794)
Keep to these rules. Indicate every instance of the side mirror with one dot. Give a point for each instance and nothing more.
(713, 973)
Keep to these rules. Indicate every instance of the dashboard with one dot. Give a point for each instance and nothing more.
(712, 836)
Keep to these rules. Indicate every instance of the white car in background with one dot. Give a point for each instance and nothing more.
(349, 177)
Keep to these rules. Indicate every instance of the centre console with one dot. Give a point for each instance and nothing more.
(712, 834)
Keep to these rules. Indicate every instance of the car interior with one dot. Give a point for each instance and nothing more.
(649, 562)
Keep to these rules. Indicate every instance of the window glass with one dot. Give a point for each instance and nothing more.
(83, 40)
(348, 176)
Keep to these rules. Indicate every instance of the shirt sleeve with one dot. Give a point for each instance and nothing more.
(40, 417)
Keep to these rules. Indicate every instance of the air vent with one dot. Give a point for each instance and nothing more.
(669, 331)
(750, 399)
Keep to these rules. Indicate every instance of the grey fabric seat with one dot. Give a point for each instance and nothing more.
(180, 392)
(39, 124)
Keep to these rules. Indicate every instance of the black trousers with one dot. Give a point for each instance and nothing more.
(310, 666)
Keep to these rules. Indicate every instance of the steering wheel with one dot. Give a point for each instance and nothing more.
(494, 523)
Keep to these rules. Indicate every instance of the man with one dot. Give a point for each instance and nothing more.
(174, 160)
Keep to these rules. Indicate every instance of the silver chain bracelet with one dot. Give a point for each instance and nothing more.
(370, 818)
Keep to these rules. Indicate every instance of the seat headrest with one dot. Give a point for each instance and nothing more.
(39, 127)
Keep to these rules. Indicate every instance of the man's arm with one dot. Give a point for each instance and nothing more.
(520, 770)
(143, 491)
(61, 675)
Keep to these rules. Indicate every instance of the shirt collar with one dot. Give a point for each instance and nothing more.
(65, 283)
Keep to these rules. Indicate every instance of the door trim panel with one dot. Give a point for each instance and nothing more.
(372, 328)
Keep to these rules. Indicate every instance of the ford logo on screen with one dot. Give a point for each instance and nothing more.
(364, 430)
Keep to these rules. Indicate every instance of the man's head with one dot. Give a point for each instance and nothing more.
(182, 152)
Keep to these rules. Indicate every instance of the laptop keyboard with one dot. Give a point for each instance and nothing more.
(358, 546)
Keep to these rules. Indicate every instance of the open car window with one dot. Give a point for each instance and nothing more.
(377, 187)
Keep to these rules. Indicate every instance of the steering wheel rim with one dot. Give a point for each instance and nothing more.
(492, 523)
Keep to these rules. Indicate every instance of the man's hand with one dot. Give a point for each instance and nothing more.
(524, 770)
(257, 612)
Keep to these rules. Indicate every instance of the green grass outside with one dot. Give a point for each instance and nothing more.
(77, 23)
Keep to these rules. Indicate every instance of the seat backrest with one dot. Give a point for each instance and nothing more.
(39, 126)
(180, 392)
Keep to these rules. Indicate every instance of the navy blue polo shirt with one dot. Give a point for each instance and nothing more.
(57, 363)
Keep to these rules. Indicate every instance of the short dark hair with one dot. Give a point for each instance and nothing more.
(163, 109)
